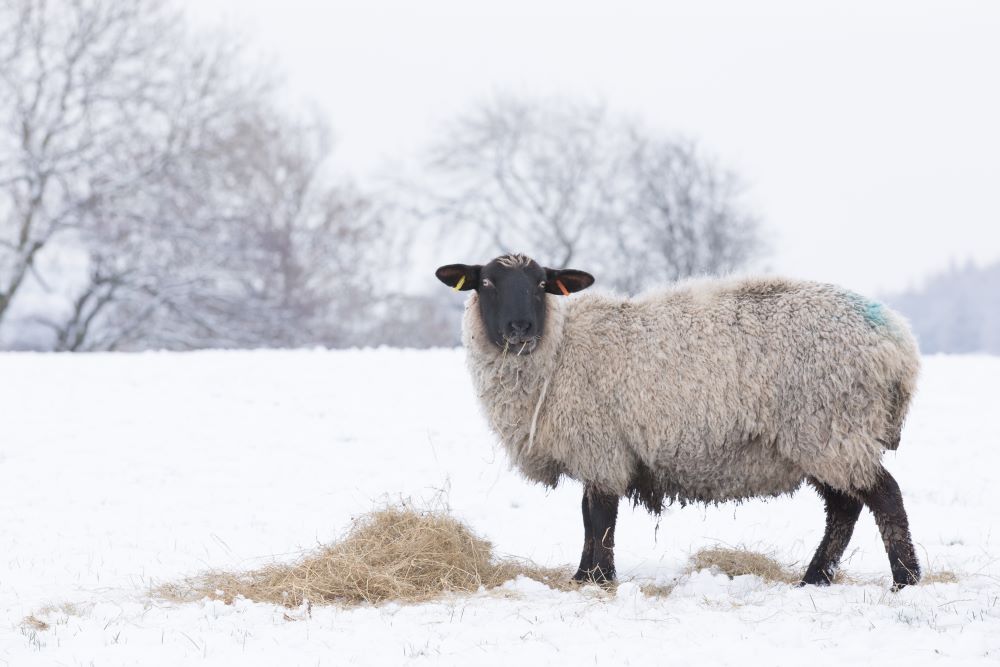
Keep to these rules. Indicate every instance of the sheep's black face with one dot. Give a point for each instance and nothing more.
(512, 291)
(512, 304)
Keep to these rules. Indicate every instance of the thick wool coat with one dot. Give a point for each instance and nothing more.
(708, 391)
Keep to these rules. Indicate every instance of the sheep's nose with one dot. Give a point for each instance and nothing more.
(520, 327)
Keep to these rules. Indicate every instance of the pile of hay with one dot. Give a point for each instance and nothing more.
(397, 554)
(736, 562)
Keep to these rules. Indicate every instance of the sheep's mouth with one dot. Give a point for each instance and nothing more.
(519, 346)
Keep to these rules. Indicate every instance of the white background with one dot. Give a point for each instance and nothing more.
(867, 132)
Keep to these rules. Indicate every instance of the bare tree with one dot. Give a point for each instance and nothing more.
(137, 230)
(569, 183)
(291, 263)
(252, 244)
(203, 214)
(677, 214)
(516, 174)
(77, 90)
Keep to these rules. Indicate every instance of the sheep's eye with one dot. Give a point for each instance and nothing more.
(487, 282)
(541, 285)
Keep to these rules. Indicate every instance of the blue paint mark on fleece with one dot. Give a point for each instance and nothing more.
(872, 311)
(874, 314)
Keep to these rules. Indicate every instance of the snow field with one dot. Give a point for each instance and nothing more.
(120, 472)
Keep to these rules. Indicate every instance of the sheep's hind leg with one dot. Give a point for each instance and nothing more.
(842, 513)
(600, 511)
(885, 501)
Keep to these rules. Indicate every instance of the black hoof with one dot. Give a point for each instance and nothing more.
(595, 576)
(819, 578)
(904, 578)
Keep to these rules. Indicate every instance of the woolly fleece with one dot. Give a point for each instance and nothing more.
(708, 391)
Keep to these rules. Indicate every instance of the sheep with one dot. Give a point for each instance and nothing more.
(707, 391)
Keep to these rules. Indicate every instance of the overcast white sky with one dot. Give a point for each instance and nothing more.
(868, 132)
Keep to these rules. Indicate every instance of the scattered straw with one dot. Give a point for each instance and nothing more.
(939, 577)
(67, 608)
(657, 590)
(398, 554)
(737, 562)
(34, 623)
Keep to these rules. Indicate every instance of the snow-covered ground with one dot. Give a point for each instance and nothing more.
(118, 472)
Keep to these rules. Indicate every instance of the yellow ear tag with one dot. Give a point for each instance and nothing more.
(562, 288)
(458, 285)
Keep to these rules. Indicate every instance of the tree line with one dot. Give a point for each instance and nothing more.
(956, 310)
(155, 192)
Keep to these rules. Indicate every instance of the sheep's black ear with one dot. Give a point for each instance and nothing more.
(459, 276)
(566, 281)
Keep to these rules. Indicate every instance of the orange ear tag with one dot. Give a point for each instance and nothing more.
(562, 288)
(458, 285)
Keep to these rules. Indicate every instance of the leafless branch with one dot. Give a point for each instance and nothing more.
(566, 182)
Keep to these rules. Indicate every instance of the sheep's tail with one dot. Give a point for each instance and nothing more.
(900, 393)
(534, 417)
(904, 368)
(899, 402)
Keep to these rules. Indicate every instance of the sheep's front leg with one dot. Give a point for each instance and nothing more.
(603, 516)
(600, 513)
(587, 557)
